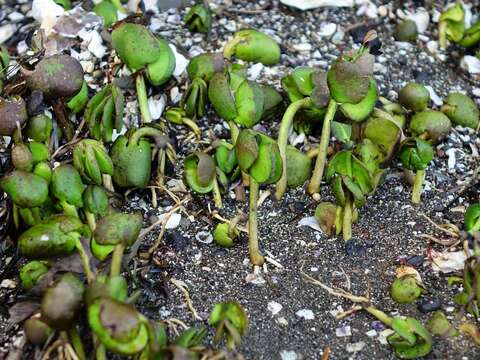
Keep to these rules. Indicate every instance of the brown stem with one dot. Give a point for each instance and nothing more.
(62, 119)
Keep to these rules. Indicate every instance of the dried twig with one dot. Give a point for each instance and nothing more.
(183, 288)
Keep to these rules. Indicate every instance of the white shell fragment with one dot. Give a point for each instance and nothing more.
(471, 64)
(447, 262)
(437, 100)
(180, 61)
(274, 307)
(327, 29)
(310, 221)
(306, 314)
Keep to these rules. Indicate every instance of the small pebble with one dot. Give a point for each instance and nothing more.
(429, 306)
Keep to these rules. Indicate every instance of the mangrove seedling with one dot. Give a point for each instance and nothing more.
(254, 46)
(472, 218)
(39, 128)
(225, 234)
(385, 134)
(461, 110)
(415, 154)
(36, 331)
(91, 159)
(258, 156)
(470, 297)
(200, 175)
(178, 116)
(4, 63)
(229, 321)
(118, 326)
(430, 125)
(405, 289)
(58, 235)
(351, 182)
(32, 272)
(414, 96)
(79, 101)
(107, 11)
(352, 88)
(299, 167)
(67, 187)
(439, 325)
(120, 230)
(132, 157)
(26, 190)
(59, 78)
(62, 302)
(104, 112)
(22, 158)
(406, 30)
(410, 339)
(205, 65)
(95, 205)
(451, 25)
(329, 217)
(13, 111)
(236, 100)
(44, 170)
(141, 51)
(199, 18)
(227, 164)
(471, 37)
(194, 99)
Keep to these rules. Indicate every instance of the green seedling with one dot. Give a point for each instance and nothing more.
(119, 230)
(95, 206)
(406, 30)
(472, 218)
(451, 25)
(39, 128)
(385, 134)
(32, 272)
(225, 234)
(26, 190)
(67, 187)
(91, 159)
(461, 110)
(308, 91)
(43, 170)
(62, 302)
(430, 125)
(471, 37)
(58, 235)
(299, 167)
(415, 154)
(107, 11)
(405, 289)
(352, 181)
(36, 331)
(352, 88)
(13, 111)
(230, 321)
(141, 51)
(254, 46)
(236, 99)
(204, 66)
(22, 158)
(199, 18)
(439, 325)
(227, 164)
(258, 156)
(329, 217)
(200, 175)
(132, 157)
(80, 100)
(178, 116)
(104, 112)
(4, 64)
(118, 326)
(194, 99)
(414, 96)
(59, 78)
